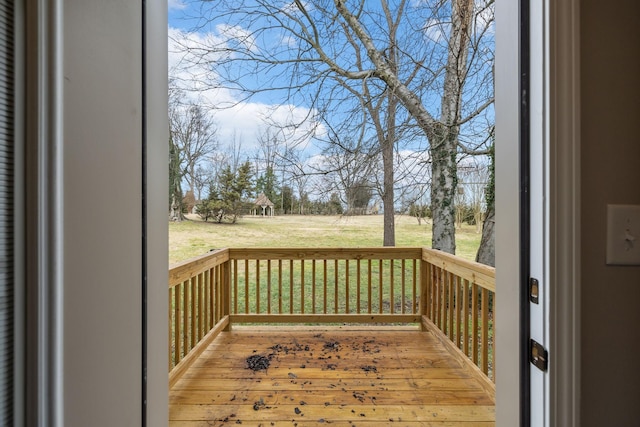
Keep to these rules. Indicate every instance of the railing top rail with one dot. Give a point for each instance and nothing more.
(477, 273)
(185, 270)
(357, 253)
(480, 274)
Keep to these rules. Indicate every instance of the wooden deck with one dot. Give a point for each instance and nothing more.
(329, 375)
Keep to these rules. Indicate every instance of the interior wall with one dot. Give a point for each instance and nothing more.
(610, 169)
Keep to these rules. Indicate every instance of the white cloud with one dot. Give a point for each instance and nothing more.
(436, 30)
(234, 34)
(176, 4)
(190, 68)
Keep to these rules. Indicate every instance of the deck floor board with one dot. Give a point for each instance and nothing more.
(330, 376)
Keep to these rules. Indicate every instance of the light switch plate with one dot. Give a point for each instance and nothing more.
(623, 234)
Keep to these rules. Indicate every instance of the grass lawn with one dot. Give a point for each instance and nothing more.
(194, 237)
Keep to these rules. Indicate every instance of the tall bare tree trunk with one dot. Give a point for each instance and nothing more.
(444, 141)
(388, 145)
(443, 186)
(487, 251)
(389, 238)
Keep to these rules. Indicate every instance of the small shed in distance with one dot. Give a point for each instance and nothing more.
(263, 205)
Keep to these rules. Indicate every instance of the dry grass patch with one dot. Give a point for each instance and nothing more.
(194, 237)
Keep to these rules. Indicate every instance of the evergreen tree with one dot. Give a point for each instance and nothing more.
(267, 183)
(228, 198)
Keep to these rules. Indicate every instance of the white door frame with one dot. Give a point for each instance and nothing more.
(564, 220)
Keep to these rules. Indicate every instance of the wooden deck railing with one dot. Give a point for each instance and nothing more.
(198, 307)
(459, 300)
(330, 285)
(325, 285)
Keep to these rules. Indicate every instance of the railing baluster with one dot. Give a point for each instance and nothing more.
(458, 312)
(346, 285)
(225, 294)
(403, 277)
(258, 286)
(200, 284)
(358, 284)
(425, 290)
(414, 284)
(443, 298)
(369, 286)
(291, 286)
(177, 320)
(202, 323)
(223, 291)
(213, 283)
(434, 296)
(392, 301)
(279, 286)
(439, 291)
(380, 286)
(193, 313)
(313, 286)
(269, 286)
(336, 293)
(302, 286)
(474, 322)
(235, 286)
(210, 300)
(200, 306)
(171, 340)
(246, 286)
(205, 302)
(445, 304)
(452, 306)
(485, 331)
(324, 281)
(465, 304)
(185, 317)
(493, 337)
(218, 294)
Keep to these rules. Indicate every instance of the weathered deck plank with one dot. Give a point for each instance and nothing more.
(353, 377)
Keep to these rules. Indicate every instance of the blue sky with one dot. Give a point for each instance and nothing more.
(246, 119)
(243, 122)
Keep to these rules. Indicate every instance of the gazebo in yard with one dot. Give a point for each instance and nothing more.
(265, 204)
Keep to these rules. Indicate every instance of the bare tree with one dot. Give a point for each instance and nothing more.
(300, 174)
(473, 180)
(430, 57)
(347, 170)
(192, 135)
(487, 250)
(270, 145)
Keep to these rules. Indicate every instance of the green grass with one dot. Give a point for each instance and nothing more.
(193, 238)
